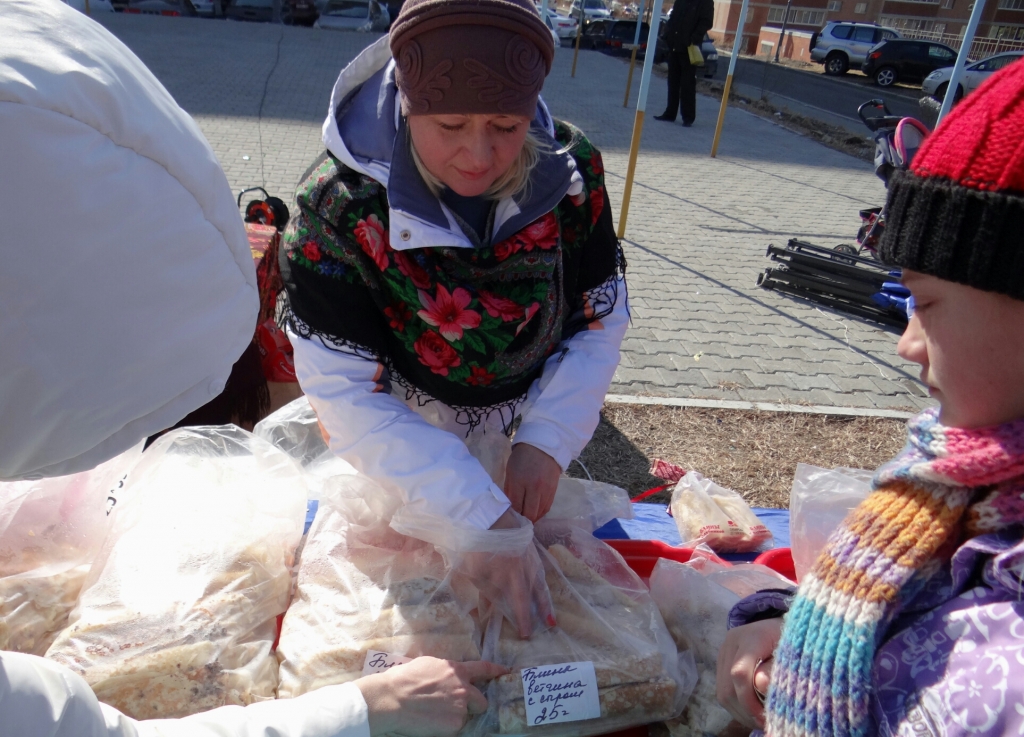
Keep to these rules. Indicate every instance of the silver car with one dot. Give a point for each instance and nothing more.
(936, 83)
(842, 45)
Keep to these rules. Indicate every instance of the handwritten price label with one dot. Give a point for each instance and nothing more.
(378, 662)
(566, 692)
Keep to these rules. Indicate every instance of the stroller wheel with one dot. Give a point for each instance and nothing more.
(846, 250)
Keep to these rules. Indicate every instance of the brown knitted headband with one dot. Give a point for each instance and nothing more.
(470, 56)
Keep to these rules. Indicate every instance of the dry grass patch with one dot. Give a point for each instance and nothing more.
(753, 452)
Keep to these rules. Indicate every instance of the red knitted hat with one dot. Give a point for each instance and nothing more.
(958, 213)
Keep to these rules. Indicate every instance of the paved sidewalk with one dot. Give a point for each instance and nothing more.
(697, 227)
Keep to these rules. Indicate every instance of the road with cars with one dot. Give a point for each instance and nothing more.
(835, 95)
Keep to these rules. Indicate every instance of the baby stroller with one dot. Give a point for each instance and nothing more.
(896, 141)
(846, 277)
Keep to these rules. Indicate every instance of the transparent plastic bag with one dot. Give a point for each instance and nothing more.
(50, 532)
(818, 502)
(709, 514)
(179, 612)
(695, 599)
(605, 616)
(590, 504)
(364, 587)
(296, 430)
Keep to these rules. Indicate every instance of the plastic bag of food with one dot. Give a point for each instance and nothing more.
(695, 599)
(179, 612)
(50, 532)
(369, 596)
(610, 662)
(296, 430)
(709, 514)
(819, 500)
(589, 504)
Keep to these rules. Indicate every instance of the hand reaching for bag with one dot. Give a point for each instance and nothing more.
(531, 479)
(744, 669)
(426, 697)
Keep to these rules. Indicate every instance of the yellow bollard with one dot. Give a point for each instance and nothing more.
(721, 115)
(629, 79)
(634, 149)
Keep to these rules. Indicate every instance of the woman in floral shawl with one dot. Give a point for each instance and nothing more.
(454, 268)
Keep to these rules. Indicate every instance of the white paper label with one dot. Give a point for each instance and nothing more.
(378, 662)
(566, 692)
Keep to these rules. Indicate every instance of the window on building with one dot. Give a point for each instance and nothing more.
(834, 6)
(948, 4)
(1011, 4)
(797, 16)
(860, 8)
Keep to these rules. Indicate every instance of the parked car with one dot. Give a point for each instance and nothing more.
(289, 12)
(906, 60)
(936, 83)
(95, 6)
(707, 48)
(592, 10)
(842, 46)
(160, 7)
(610, 35)
(564, 28)
(207, 8)
(354, 15)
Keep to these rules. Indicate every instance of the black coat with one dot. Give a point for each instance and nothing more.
(688, 22)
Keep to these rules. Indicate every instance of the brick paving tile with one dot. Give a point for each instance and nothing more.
(697, 227)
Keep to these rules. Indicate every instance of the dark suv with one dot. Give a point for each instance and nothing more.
(906, 60)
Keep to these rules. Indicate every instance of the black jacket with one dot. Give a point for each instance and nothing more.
(688, 22)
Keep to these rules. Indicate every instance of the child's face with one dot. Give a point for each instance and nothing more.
(970, 344)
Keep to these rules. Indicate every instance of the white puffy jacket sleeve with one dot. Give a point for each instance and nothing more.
(40, 698)
(430, 467)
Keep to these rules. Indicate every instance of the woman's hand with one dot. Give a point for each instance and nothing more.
(531, 478)
(744, 663)
(513, 583)
(426, 697)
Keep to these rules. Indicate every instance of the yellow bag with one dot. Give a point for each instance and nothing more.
(696, 57)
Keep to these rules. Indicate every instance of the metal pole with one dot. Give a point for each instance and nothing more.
(579, 34)
(728, 80)
(961, 59)
(87, 8)
(782, 34)
(638, 123)
(636, 44)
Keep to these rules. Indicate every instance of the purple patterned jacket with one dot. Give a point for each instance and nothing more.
(952, 662)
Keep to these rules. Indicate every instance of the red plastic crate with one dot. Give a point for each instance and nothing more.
(643, 555)
(779, 560)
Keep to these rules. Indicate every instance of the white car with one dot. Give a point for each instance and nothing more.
(936, 83)
(205, 8)
(592, 10)
(563, 27)
(95, 6)
(354, 15)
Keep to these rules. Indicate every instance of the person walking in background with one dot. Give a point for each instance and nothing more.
(686, 26)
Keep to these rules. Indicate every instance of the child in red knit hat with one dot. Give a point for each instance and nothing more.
(911, 621)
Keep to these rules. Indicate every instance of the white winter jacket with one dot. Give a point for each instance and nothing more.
(127, 287)
(421, 451)
(39, 698)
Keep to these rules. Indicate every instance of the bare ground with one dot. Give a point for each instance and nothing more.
(753, 452)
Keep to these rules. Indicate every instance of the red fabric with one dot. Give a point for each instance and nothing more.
(979, 144)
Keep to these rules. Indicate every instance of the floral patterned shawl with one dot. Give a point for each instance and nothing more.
(469, 327)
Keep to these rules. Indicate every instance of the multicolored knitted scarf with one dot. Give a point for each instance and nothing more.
(945, 484)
